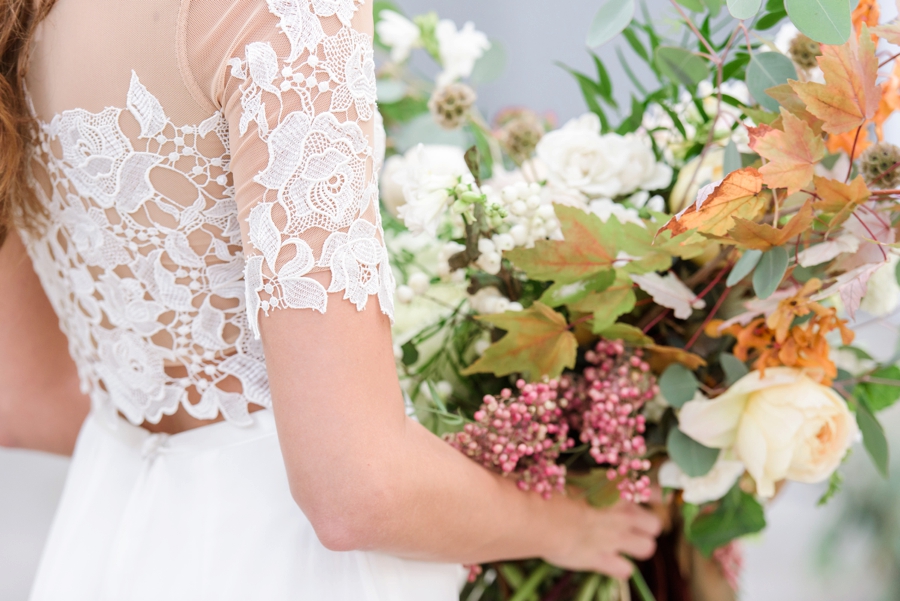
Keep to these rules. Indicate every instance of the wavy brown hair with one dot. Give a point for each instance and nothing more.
(18, 21)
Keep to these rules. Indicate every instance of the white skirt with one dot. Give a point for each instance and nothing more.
(205, 515)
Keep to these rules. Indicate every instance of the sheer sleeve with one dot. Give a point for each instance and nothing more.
(295, 80)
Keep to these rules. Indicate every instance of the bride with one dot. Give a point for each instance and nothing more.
(188, 189)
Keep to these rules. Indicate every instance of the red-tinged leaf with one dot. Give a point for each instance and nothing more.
(849, 96)
(662, 357)
(852, 286)
(761, 236)
(590, 246)
(740, 195)
(538, 342)
(890, 33)
(792, 153)
(867, 12)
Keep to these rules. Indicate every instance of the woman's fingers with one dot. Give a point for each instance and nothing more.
(638, 546)
(615, 566)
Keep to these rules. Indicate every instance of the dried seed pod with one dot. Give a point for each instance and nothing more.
(450, 105)
(877, 165)
(804, 51)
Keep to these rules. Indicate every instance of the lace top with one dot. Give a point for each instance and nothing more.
(233, 159)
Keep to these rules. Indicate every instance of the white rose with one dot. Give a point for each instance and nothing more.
(459, 50)
(782, 426)
(605, 208)
(710, 487)
(578, 158)
(399, 34)
(641, 171)
(425, 174)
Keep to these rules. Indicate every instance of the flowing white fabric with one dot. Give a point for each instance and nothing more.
(205, 515)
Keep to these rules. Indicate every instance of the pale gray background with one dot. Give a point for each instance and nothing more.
(781, 564)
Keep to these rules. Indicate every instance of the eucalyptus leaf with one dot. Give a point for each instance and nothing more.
(680, 65)
(714, 6)
(881, 395)
(825, 21)
(390, 90)
(490, 66)
(767, 70)
(770, 271)
(732, 160)
(873, 436)
(678, 385)
(744, 9)
(743, 267)
(612, 18)
(694, 459)
(734, 368)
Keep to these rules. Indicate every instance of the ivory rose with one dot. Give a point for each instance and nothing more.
(781, 426)
(577, 157)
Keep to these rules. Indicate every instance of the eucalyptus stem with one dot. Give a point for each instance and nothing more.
(529, 588)
(641, 585)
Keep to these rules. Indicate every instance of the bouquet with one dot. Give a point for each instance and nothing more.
(652, 302)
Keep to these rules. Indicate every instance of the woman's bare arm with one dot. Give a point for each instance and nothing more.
(41, 406)
(370, 478)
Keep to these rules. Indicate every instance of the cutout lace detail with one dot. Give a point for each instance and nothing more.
(142, 255)
(307, 107)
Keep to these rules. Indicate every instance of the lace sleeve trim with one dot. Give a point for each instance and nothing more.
(320, 177)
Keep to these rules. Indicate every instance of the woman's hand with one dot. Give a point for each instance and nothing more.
(605, 535)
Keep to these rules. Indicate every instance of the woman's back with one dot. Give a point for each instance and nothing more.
(158, 254)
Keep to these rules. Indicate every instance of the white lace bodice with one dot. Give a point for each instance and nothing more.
(168, 236)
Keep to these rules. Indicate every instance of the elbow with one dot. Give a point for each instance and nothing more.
(357, 518)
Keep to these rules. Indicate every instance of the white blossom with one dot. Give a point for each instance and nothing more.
(459, 50)
(399, 34)
(426, 176)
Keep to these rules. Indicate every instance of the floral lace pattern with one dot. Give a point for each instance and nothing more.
(154, 290)
(321, 172)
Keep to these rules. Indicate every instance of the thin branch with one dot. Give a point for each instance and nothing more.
(852, 153)
(887, 60)
(708, 319)
(694, 28)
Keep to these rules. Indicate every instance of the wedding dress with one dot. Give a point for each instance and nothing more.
(198, 160)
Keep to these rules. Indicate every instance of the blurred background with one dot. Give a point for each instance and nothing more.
(848, 550)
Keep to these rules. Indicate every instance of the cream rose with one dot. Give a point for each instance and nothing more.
(710, 487)
(781, 426)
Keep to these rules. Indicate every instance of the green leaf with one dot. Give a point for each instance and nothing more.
(595, 487)
(531, 584)
(589, 588)
(590, 90)
(607, 305)
(612, 18)
(680, 65)
(760, 115)
(880, 396)
(774, 5)
(737, 514)
(733, 68)
(732, 158)
(770, 20)
(538, 342)
(563, 293)
(410, 353)
(636, 45)
(640, 585)
(825, 21)
(744, 9)
(692, 5)
(743, 267)
(734, 368)
(714, 7)
(626, 333)
(835, 482)
(873, 436)
(693, 458)
(634, 120)
(770, 271)
(767, 70)
(491, 65)
(604, 82)
(678, 385)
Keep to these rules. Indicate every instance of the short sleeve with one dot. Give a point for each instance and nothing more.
(295, 80)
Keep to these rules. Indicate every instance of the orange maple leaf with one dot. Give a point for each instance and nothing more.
(890, 33)
(792, 153)
(761, 236)
(840, 198)
(848, 142)
(788, 99)
(849, 96)
(739, 195)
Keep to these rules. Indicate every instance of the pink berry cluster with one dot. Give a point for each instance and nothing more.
(521, 435)
(605, 401)
(731, 561)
